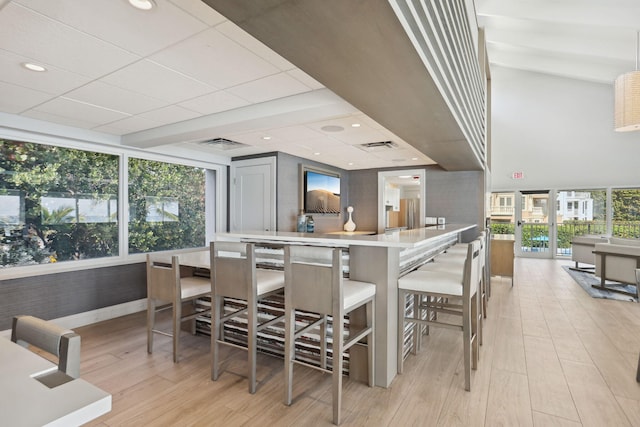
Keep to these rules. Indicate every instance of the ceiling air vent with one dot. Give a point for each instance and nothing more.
(222, 144)
(378, 146)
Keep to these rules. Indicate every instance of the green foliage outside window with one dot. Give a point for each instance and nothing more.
(33, 234)
(153, 186)
(61, 204)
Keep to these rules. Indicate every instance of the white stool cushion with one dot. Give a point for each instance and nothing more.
(456, 270)
(432, 282)
(269, 280)
(450, 259)
(193, 286)
(459, 247)
(355, 292)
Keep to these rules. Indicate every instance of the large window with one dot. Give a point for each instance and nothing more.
(62, 204)
(626, 212)
(166, 206)
(56, 204)
(579, 212)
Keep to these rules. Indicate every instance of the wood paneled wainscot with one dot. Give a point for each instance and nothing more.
(379, 259)
(502, 255)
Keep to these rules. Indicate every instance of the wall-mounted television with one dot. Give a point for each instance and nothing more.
(320, 191)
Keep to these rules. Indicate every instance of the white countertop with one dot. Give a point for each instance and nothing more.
(24, 401)
(400, 239)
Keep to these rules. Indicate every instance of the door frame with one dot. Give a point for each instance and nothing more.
(272, 180)
(551, 224)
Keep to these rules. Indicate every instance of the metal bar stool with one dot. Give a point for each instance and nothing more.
(453, 292)
(234, 275)
(167, 290)
(314, 283)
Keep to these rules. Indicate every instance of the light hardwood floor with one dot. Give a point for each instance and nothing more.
(552, 356)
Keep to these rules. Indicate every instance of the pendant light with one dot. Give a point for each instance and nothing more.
(627, 97)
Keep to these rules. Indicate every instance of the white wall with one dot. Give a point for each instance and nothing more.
(559, 133)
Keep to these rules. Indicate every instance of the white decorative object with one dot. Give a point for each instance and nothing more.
(350, 225)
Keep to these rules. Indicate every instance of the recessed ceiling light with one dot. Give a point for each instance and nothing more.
(316, 153)
(266, 138)
(350, 163)
(33, 67)
(355, 125)
(414, 158)
(142, 4)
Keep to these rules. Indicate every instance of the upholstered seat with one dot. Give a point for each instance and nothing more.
(453, 292)
(454, 261)
(167, 289)
(582, 248)
(442, 282)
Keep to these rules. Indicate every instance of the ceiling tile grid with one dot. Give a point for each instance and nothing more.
(118, 70)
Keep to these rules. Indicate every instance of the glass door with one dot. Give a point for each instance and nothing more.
(535, 219)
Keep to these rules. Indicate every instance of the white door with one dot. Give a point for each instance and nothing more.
(253, 195)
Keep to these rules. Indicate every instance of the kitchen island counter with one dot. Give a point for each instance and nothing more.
(380, 259)
(404, 239)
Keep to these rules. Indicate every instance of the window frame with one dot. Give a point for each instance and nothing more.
(215, 194)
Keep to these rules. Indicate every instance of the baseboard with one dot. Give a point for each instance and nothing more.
(94, 316)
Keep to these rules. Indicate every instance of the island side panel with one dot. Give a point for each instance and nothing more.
(380, 265)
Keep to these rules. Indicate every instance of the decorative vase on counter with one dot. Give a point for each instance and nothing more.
(350, 225)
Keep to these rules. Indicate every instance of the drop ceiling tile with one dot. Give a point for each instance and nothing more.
(114, 98)
(16, 99)
(234, 152)
(246, 40)
(305, 78)
(344, 121)
(169, 114)
(255, 138)
(220, 61)
(25, 32)
(348, 163)
(214, 102)
(116, 22)
(269, 146)
(268, 88)
(125, 126)
(54, 81)
(323, 146)
(54, 118)
(393, 154)
(294, 133)
(156, 81)
(348, 152)
(368, 121)
(200, 10)
(360, 135)
(74, 110)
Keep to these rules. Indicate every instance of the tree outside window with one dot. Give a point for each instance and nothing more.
(49, 193)
(166, 206)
